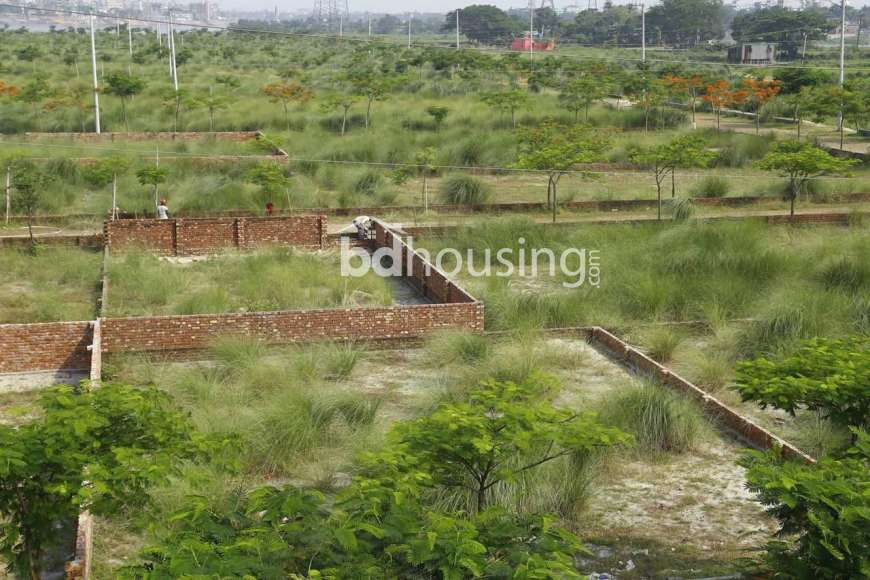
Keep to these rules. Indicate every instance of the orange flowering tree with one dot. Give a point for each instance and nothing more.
(688, 86)
(286, 93)
(721, 95)
(760, 91)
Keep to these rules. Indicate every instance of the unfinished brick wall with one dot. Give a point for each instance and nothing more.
(48, 346)
(424, 276)
(195, 236)
(747, 430)
(180, 333)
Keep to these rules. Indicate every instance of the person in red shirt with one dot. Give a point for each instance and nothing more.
(269, 208)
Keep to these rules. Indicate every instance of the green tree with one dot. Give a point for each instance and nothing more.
(829, 376)
(28, 182)
(686, 151)
(503, 430)
(272, 179)
(372, 85)
(29, 54)
(482, 23)
(506, 102)
(152, 175)
(800, 162)
(438, 115)
(425, 161)
(687, 22)
(286, 93)
(214, 103)
(556, 149)
(823, 511)
(578, 94)
(106, 171)
(785, 26)
(123, 86)
(176, 102)
(35, 91)
(96, 450)
(340, 101)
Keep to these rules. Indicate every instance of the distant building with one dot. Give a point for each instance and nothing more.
(753, 53)
(525, 43)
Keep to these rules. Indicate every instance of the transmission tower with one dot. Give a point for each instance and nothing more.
(548, 4)
(330, 10)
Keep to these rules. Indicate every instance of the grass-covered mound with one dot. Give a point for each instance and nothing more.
(50, 284)
(277, 279)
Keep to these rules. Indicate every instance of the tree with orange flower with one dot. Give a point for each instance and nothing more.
(760, 91)
(688, 86)
(721, 95)
(7, 90)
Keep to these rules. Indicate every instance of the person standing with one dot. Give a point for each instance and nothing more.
(162, 210)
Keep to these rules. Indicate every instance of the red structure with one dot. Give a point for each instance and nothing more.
(525, 43)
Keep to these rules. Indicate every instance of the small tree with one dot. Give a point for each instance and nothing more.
(438, 115)
(759, 92)
(342, 101)
(823, 511)
(28, 182)
(830, 376)
(286, 93)
(214, 103)
(94, 450)
(153, 176)
(503, 430)
(373, 85)
(721, 95)
(801, 162)
(178, 101)
(104, 172)
(34, 92)
(685, 151)
(272, 179)
(123, 86)
(688, 86)
(578, 94)
(555, 149)
(506, 102)
(425, 161)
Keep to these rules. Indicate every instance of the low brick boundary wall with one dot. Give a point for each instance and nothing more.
(149, 136)
(45, 346)
(196, 236)
(743, 428)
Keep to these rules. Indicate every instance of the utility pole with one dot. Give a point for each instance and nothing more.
(804, 50)
(643, 31)
(130, 37)
(172, 45)
(842, 59)
(457, 29)
(370, 25)
(410, 18)
(94, 69)
(340, 25)
(531, 36)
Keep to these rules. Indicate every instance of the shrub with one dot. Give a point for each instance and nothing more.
(367, 183)
(681, 208)
(659, 419)
(464, 347)
(464, 190)
(661, 342)
(711, 186)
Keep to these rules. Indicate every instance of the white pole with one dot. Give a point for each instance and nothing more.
(370, 26)
(130, 37)
(842, 58)
(531, 35)
(340, 25)
(96, 83)
(8, 192)
(457, 29)
(172, 45)
(643, 31)
(410, 17)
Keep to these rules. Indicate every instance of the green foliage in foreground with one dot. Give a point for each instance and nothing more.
(383, 525)
(825, 375)
(98, 450)
(823, 511)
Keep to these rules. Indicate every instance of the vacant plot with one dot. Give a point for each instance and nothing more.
(301, 414)
(50, 284)
(277, 279)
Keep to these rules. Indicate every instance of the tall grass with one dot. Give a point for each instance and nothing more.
(274, 279)
(52, 284)
(660, 420)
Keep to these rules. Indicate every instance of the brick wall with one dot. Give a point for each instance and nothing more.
(183, 236)
(747, 430)
(428, 279)
(44, 346)
(238, 136)
(181, 333)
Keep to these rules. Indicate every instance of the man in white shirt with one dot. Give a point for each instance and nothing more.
(162, 210)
